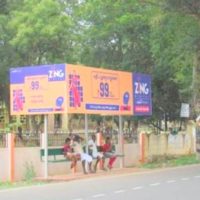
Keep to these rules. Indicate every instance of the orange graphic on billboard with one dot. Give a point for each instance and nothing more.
(98, 91)
(38, 90)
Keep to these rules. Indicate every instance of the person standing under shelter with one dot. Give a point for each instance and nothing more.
(108, 153)
(20, 133)
(94, 152)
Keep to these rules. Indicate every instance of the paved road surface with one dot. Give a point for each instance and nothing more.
(170, 184)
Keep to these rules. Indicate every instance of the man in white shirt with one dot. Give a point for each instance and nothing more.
(85, 158)
(94, 152)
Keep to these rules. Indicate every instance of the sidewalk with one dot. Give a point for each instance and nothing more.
(99, 173)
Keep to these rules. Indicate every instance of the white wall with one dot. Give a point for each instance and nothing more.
(25, 157)
(4, 164)
(31, 156)
(131, 155)
(158, 145)
(154, 145)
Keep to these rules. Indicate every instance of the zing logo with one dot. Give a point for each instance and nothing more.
(141, 88)
(56, 75)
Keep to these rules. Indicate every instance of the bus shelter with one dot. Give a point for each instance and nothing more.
(66, 88)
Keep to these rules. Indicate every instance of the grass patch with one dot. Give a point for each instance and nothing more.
(9, 185)
(170, 161)
(28, 178)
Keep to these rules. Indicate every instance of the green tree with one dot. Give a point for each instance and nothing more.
(33, 32)
(7, 52)
(130, 36)
(176, 45)
(42, 32)
(115, 34)
(191, 9)
(160, 37)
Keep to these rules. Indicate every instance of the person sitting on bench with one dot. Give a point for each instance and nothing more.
(94, 152)
(68, 152)
(108, 153)
(85, 158)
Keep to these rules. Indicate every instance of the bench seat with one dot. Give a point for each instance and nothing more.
(57, 155)
(54, 155)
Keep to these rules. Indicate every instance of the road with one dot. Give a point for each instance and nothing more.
(181, 183)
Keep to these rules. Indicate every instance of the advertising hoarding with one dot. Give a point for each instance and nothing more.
(66, 88)
(37, 89)
(99, 91)
(142, 94)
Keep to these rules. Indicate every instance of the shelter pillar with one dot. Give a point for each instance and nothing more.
(142, 147)
(121, 141)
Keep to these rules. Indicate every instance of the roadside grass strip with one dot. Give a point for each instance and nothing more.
(171, 161)
(9, 185)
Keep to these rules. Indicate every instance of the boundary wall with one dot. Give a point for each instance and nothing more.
(151, 145)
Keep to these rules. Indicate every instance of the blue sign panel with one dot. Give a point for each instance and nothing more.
(142, 94)
(55, 72)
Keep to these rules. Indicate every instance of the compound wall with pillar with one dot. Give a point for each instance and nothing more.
(28, 158)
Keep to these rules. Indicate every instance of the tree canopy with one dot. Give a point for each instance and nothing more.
(159, 37)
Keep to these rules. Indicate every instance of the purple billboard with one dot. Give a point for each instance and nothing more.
(142, 104)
